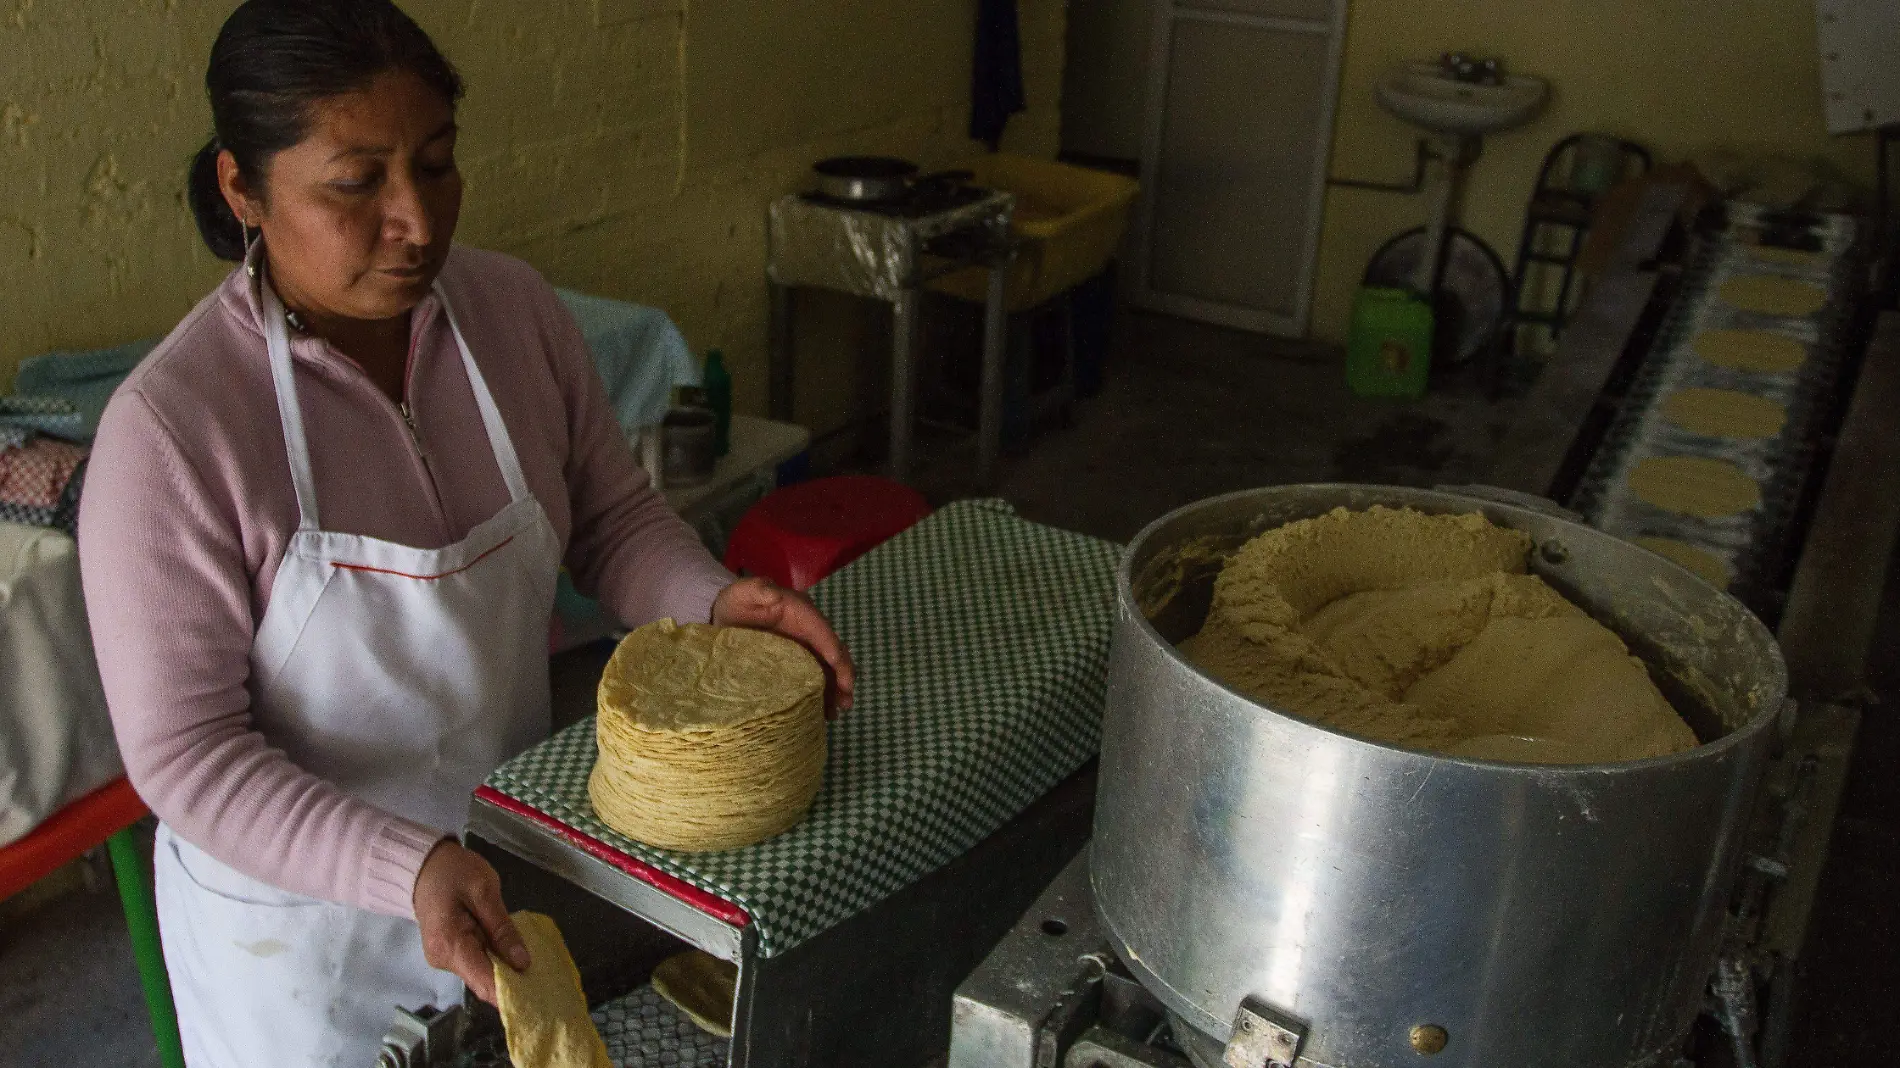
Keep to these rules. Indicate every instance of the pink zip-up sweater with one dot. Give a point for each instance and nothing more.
(188, 505)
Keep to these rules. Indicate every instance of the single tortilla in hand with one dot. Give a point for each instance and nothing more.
(543, 1010)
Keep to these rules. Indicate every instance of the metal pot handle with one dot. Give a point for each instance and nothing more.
(1500, 495)
(1264, 1037)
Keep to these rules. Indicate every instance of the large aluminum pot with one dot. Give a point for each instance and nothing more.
(1541, 915)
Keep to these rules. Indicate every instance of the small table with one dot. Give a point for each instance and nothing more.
(982, 646)
(889, 251)
(743, 475)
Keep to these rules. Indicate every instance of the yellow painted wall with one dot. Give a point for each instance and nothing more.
(1105, 78)
(1681, 76)
(624, 147)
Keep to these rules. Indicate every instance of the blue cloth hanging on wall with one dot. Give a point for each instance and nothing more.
(996, 71)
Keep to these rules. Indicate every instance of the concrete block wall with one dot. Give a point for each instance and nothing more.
(624, 147)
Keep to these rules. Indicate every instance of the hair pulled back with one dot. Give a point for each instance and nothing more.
(273, 62)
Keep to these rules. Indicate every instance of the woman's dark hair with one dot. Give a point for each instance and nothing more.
(274, 60)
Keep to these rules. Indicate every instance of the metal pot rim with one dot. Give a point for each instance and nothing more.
(1124, 593)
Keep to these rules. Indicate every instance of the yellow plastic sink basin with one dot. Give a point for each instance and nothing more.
(1070, 219)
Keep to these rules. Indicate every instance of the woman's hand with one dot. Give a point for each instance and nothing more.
(762, 604)
(458, 906)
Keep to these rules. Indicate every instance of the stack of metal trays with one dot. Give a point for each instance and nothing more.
(1745, 550)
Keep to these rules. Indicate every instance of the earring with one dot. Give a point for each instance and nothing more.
(250, 265)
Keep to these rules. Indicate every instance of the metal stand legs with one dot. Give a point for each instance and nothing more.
(903, 380)
(905, 314)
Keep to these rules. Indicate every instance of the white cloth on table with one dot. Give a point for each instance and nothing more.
(56, 740)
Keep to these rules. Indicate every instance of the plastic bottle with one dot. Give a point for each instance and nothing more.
(718, 385)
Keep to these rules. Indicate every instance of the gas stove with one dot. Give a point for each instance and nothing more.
(922, 200)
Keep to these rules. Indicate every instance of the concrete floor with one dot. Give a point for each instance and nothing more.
(71, 994)
(1189, 410)
(1186, 411)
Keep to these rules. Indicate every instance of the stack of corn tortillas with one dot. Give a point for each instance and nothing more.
(709, 737)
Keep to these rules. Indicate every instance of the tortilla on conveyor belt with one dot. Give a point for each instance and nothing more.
(702, 986)
(543, 1011)
(709, 737)
(1758, 351)
(1703, 486)
(1770, 294)
(1724, 413)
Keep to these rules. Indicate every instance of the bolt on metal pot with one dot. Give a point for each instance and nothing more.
(1384, 907)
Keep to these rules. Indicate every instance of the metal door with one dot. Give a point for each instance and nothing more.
(1239, 126)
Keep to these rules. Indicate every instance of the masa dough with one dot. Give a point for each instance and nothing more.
(1759, 351)
(1771, 294)
(1791, 257)
(543, 1010)
(709, 737)
(1426, 631)
(1706, 565)
(1724, 413)
(1694, 485)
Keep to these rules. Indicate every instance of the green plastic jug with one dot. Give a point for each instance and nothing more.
(1389, 350)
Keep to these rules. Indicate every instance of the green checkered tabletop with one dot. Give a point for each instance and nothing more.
(981, 642)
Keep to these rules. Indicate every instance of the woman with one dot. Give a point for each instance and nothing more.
(320, 540)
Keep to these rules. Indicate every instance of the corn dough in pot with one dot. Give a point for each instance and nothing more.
(1426, 631)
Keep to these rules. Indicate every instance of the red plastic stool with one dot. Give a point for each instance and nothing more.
(106, 816)
(798, 535)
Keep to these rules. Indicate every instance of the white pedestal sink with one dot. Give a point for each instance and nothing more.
(1457, 113)
(1423, 94)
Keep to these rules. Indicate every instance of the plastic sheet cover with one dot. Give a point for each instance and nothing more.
(861, 252)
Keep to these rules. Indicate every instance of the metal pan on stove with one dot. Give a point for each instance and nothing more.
(878, 179)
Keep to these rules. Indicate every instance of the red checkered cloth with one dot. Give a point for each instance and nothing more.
(35, 478)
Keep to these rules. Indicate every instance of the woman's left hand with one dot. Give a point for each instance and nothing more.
(762, 604)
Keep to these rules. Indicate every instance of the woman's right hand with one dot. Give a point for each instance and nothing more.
(459, 908)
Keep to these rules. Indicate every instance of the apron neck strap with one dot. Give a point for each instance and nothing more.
(288, 410)
(498, 438)
(290, 413)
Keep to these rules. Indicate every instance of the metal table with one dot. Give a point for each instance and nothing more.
(889, 253)
(952, 796)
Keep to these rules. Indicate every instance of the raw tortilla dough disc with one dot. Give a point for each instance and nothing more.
(1695, 485)
(1426, 631)
(709, 737)
(700, 985)
(543, 1011)
(1774, 295)
(1724, 413)
(1706, 565)
(1789, 257)
(1750, 350)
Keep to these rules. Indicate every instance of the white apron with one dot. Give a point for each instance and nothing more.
(402, 675)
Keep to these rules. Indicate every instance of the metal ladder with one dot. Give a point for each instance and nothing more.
(1558, 216)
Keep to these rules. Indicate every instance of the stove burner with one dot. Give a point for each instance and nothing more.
(921, 200)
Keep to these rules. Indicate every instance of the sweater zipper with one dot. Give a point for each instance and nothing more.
(415, 436)
(402, 406)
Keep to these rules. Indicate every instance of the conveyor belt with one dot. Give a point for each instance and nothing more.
(642, 1030)
(1752, 544)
